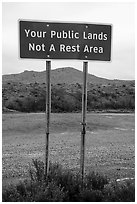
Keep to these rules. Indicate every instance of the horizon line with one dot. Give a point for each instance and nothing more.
(71, 68)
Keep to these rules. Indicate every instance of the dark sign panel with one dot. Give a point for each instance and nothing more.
(46, 40)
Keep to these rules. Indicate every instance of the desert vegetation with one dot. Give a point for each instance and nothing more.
(62, 185)
(68, 97)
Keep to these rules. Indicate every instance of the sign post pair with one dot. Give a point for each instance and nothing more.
(54, 40)
(48, 110)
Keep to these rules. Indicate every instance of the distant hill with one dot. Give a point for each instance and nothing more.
(26, 92)
(66, 75)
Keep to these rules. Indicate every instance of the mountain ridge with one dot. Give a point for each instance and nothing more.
(68, 75)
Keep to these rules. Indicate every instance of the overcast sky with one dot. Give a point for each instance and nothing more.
(121, 15)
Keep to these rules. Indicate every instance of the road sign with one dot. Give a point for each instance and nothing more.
(48, 40)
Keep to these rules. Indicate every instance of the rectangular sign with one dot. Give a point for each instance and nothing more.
(46, 40)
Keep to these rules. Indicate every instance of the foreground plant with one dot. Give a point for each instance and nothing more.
(61, 185)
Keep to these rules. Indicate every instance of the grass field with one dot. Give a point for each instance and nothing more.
(110, 143)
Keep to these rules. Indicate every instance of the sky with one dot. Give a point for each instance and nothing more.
(120, 15)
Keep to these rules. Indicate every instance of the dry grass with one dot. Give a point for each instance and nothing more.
(109, 143)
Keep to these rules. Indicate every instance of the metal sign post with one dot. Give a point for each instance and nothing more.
(48, 110)
(84, 109)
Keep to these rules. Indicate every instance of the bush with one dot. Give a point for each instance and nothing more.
(91, 196)
(52, 193)
(63, 185)
(36, 171)
(96, 181)
(120, 192)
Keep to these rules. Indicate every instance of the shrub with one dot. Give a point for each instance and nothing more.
(37, 170)
(51, 193)
(120, 192)
(64, 185)
(96, 181)
(91, 196)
